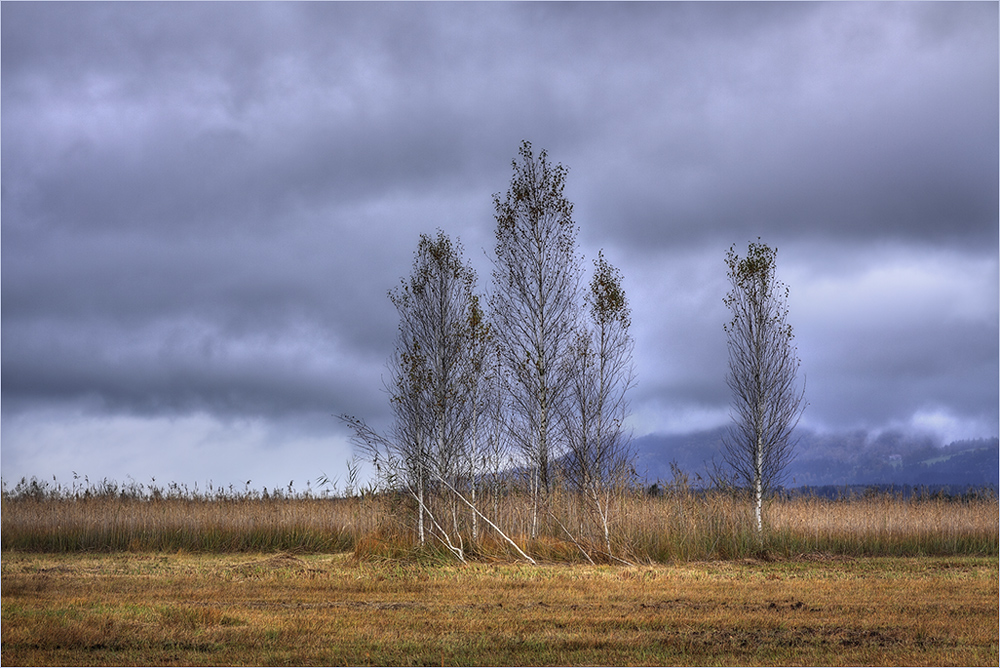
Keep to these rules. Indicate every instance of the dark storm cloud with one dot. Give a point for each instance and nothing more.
(865, 128)
(204, 204)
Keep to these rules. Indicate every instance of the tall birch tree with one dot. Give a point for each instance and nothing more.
(767, 400)
(429, 379)
(600, 456)
(436, 312)
(536, 283)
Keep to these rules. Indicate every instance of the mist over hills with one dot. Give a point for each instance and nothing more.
(836, 459)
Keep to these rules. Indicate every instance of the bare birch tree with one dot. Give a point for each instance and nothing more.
(763, 367)
(536, 284)
(428, 382)
(600, 457)
(435, 308)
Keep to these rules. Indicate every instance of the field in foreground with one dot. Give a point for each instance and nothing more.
(242, 609)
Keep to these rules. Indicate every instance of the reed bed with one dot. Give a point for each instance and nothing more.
(887, 525)
(106, 517)
(679, 525)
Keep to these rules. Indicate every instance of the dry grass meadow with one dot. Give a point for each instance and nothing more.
(226, 609)
(115, 577)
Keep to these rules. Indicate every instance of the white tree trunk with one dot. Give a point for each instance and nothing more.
(475, 518)
(758, 483)
(534, 504)
(420, 510)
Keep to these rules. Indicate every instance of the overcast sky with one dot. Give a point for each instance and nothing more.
(204, 206)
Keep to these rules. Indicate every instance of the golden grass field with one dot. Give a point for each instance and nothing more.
(334, 609)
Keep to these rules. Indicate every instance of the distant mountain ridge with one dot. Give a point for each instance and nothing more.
(840, 459)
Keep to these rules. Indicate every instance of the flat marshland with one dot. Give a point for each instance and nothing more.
(126, 579)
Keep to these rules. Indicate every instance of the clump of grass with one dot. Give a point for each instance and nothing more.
(384, 545)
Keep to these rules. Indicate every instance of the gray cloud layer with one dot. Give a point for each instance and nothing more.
(205, 204)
